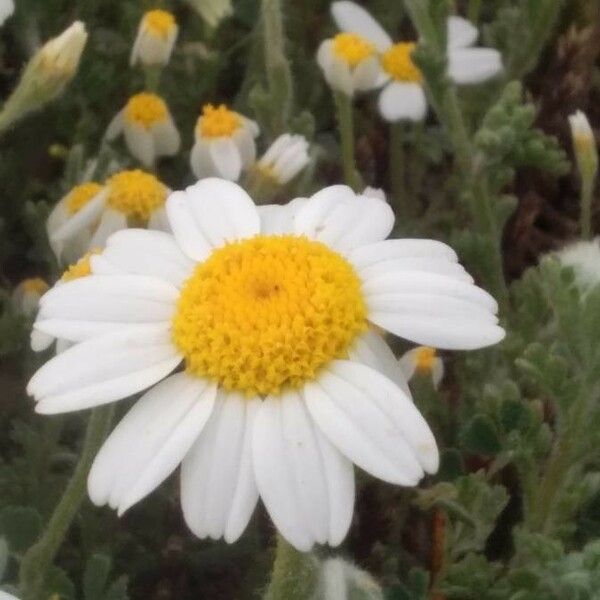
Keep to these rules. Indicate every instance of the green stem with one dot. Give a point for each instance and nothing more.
(403, 202)
(152, 76)
(279, 75)
(343, 105)
(474, 10)
(587, 193)
(39, 558)
(294, 575)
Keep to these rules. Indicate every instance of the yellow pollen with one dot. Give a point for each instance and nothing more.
(424, 357)
(266, 314)
(34, 285)
(136, 194)
(217, 122)
(146, 109)
(80, 195)
(81, 268)
(352, 48)
(397, 62)
(160, 23)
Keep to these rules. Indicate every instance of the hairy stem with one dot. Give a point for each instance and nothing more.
(39, 558)
(343, 105)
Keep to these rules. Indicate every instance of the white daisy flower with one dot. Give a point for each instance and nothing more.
(90, 212)
(7, 596)
(349, 63)
(148, 127)
(285, 381)
(26, 296)
(7, 8)
(584, 259)
(403, 97)
(224, 143)
(285, 158)
(156, 37)
(424, 361)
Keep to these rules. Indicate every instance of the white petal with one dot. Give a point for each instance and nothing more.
(152, 253)
(276, 219)
(403, 102)
(111, 222)
(166, 138)
(150, 441)
(158, 220)
(140, 143)
(209, 214)
(40, 341)
(449, 333)
(441, 266)
(276, 477)
(104, 369)
(397, 406)
(115, 127)
(460, 32)
(244, 140)
(473, 65)
(343, 220)
(366, 74)
(218, 493)
(121, 298)
(227, 158)
(352, 420)
(372, 350)
(373, 254)
(83, 218)
(201, 161)
(351, 17)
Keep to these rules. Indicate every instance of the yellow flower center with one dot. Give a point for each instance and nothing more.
(81, 268)
(80, 195)
(424, 358)
(160, 23)
(352, 48)
(265, 314)
(217, 122)
(136, 194)
(34, 285)
(146, 109)
(397, 63)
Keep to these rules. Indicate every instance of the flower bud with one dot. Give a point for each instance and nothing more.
(212, 11)
(584, 145)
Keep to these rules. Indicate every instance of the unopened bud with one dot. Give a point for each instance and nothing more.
(584, 145)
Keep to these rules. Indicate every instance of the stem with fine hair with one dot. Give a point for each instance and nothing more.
(403, 201)
(39, 558)
(294, 575)
(585, 218)
(345, 119)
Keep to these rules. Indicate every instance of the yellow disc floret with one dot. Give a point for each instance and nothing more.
(34, 285)
(425, 357)
(136, 194)
(352, 48)
(82, 268)
(218, 121)
(80, 195)
(146, 109)
(397, 62)
(265, 314)
(160, 23)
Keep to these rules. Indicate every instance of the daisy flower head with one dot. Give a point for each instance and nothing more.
(349, 63)
(7, 8)
(224, 145)
(403, 96)
(584, 258)
(156, 37)
(273, 312)
(90, 212)
(148, 127)
(26, 296)
(422, 360)
(284, 159)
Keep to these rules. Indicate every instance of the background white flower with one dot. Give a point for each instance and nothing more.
(261, 409)
(403, 97)
(224, 145)
(155, 40)
(423, 360)
(27, 294)
(285, 158)
(7, 8)
(584, 259)
(148, 127)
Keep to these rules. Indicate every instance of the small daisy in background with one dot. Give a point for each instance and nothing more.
(422, 360)
(403, 96)
(224, 145)
(275, 314)
(155, 40)
(87, 215)
(148, 128)
(7, 8)
(26, 296)
(349, 63)
(284, 159)
(584, 258)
